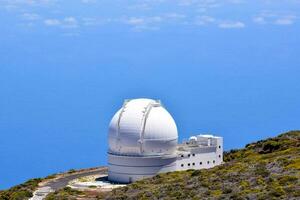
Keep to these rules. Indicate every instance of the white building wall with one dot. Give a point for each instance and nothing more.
(219, 150)
(126, 169)
(207, 156)
(198, 161)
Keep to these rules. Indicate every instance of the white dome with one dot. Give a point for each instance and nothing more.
(142, 127)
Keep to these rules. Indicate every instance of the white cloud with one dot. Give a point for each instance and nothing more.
(52, 22)
(186, 2)
(277, 18)
(152, 22)
(154, 16)
(285, 20)
(88, 21)
(226, 24)
(230, 25)
(91, 21)
(19, 3)
(204, 19)
(143, 23)
(145, 28)
(135, 21)
(141, 6)
(174, 16)
(70, 22)
(259, 20)
(89, 1)
(30, 16)
(143, 20)
(235, 1)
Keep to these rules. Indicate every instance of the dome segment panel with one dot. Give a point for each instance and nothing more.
(113, 133)
(160, 135)
(160, 125)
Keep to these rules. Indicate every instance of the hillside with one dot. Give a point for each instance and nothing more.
(267, 169)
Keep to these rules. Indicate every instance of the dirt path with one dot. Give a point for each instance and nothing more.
(62, 181)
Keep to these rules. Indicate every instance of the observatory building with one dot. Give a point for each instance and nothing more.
(143, 141)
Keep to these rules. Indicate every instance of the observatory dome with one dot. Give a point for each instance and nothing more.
(142, 127)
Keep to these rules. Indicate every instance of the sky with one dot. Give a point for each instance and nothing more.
(229, 67)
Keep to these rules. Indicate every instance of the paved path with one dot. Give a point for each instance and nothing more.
(62, 182)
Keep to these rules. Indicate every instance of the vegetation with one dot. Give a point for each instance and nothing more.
(20, 192)
(66, 193)
(25, 191)
(267, 169)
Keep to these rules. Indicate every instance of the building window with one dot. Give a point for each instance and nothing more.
(219, 156)
(207, 162)
(181, 156)
(200, 163)
(189, 164)
(189, 155)
(193, 154)
(214, 161)
(219, 146)
(193, 164)
(182, 165)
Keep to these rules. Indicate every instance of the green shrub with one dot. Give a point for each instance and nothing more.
(270, 146)
(277, 191)
(261, 170)
(4, 195)
(71, 171)
(196, 173)
(21, 195)
(284, 180)
(227, 190)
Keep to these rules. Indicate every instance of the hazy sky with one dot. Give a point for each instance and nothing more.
(228, 67)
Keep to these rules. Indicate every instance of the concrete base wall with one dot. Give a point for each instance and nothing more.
(126, 169)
